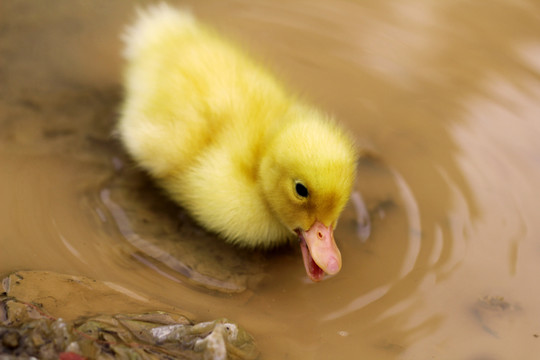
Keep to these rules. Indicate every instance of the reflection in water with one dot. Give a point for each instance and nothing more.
(413, 221)
(446, 94)
(358, 303)
(72, 250)
(362, 216)
(491, 141)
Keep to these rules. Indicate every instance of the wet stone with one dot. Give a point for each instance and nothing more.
(10, 339)
(30, 331)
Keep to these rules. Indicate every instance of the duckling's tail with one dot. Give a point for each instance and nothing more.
(152, 23)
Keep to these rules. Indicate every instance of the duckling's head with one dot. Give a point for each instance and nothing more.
(306, 175)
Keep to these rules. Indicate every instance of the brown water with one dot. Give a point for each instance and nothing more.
(444, 94)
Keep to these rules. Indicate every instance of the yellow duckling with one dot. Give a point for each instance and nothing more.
(247, 159)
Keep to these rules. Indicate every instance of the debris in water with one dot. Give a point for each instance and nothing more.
(27, 330)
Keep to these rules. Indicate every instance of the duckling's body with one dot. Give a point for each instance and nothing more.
(227, 141)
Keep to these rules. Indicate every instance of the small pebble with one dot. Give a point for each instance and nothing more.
(11, 339)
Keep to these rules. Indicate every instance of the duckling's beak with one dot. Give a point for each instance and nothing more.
(319, 250)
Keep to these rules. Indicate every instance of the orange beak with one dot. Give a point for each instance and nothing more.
(319, 251)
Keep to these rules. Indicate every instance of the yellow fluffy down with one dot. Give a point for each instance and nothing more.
(224, 138)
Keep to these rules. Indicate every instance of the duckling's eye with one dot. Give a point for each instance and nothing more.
(301, 190)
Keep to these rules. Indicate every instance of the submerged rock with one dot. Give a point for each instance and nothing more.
(30, 326)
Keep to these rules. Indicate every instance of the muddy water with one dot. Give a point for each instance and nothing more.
(441, 248)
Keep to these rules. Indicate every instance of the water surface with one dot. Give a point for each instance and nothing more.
(444, 96)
